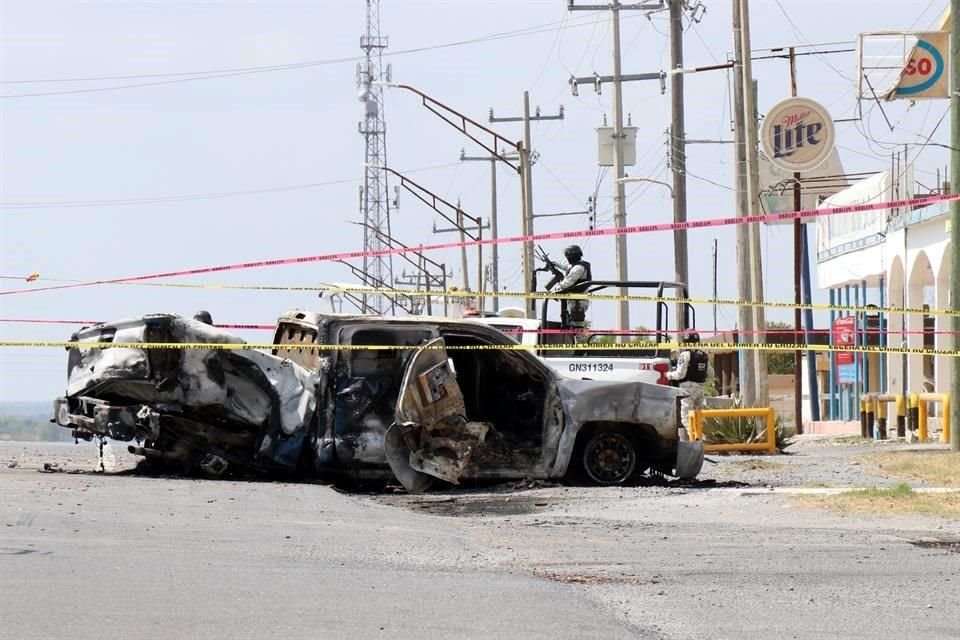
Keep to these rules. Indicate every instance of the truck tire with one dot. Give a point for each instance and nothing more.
(609, 458)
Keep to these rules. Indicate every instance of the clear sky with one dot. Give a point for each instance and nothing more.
(298, 128)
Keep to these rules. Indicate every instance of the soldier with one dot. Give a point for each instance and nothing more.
(690, 374)
(575, 273)
(203, 316)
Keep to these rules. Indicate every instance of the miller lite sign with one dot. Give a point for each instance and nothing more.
(797, 134)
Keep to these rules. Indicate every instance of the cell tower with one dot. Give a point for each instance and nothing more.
(374, 194)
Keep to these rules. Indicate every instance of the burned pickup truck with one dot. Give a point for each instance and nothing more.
(354, 397)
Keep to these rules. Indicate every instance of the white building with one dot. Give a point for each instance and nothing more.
(891, 258)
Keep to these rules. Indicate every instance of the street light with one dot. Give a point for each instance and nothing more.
(679, 241)
(653, 180)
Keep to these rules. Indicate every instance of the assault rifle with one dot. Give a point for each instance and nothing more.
(548, 264)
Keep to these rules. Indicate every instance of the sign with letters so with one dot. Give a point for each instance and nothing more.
(925, 70)
(797, 134)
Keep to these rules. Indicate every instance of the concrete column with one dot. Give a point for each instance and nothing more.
(895, 325)
(915, 323)
(943, 340)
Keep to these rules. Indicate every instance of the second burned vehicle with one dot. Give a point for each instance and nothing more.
(365, 397)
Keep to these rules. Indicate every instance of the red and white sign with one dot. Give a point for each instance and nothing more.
(844, 335)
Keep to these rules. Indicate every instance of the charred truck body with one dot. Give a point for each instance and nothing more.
(364, 397)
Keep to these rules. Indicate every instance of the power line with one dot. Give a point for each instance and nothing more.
(162, 199)
(173, 74)
(693, 27)
(240, 71)
(63, 204)
(800, 35)
(178, 80)
(557, 179)
(576, 66)
(556, 40)
(531, 30)
(708, 180)
(916, 156)
(867, 134)
(543, 144)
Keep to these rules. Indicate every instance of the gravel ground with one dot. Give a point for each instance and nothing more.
(812, 461)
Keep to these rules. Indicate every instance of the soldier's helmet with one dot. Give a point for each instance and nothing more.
(573, 253)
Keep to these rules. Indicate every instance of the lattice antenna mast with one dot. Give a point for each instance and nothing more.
(375, 200)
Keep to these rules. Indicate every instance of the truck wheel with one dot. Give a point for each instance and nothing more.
(609, 458)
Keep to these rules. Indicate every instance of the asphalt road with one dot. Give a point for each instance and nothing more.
(92, 555)
(86, 556)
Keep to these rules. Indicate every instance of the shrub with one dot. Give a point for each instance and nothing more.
(740, 430)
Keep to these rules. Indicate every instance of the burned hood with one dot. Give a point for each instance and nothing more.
(86, 368)
(615, 401)
(240, 385)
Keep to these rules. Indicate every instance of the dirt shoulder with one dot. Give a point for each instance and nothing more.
(938, 467)
(826, 462)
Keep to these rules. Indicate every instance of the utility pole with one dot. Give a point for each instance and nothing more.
(526, 157)
(619, 195)
(619, 201)
(463, 246)
(955, 214)
(460, 228)
(797, 295)
(424, 281)
(526, 175)
(750, 137)
(714, 286)
(678, 150)
(494, 229)
(801, 293)
(747, 374)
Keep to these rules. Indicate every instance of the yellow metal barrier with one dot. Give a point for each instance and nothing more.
(881, 417)
(695, 428)
(922, 400)
(866, 416)
(878, 402)
(921, 420)
(913, 415)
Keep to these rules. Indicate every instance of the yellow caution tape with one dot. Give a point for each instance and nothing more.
(627, 346)
(542, 295)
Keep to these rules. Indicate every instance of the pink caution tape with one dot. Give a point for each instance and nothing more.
(519, 330)
(562, 235)
(90, 323)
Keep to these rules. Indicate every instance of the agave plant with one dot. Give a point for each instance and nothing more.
(742, 430)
